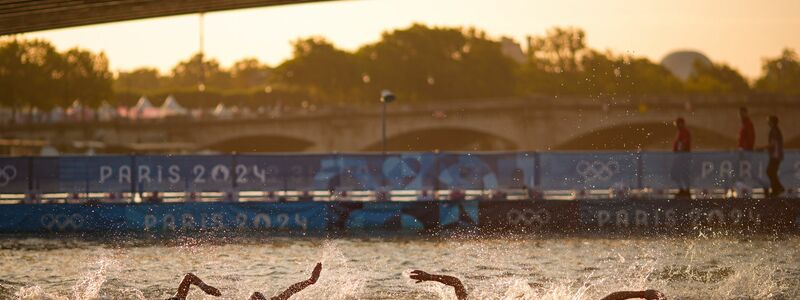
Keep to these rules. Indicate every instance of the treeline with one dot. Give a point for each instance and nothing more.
(418, 63)
(34, 74)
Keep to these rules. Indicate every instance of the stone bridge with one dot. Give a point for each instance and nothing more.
(535, 123)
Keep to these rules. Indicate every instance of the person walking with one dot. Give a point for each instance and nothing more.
(747, 134)
(681, 164)
(775, 152)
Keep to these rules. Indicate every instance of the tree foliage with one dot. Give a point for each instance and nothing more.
(781, 74)
(418, 63)
(34, 74)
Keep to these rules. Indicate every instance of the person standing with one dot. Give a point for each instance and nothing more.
(681, 165)
(775, 149)
(747, 134)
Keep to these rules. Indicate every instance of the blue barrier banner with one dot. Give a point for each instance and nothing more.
(44, 175)
(588, 170)
(528, 215)
(687, 214)
(392, 216)
(228, 216)
(303, 172)
(353, 172)
(459, 215)
(62, 217)
(14, 174)
(153, 173)
(109, 173)
(207, 172)
(790, 169)
(709, 170)
(397, 171)
(73, 174)
(410, 171)
(486, 171)
(260, 172)
(667, 216)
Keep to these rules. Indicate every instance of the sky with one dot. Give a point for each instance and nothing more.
(740, 33)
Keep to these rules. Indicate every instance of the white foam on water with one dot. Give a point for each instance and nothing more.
(339, 279)
(36, 293)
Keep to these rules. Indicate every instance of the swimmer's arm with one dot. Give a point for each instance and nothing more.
(188, 281)
(297, 287)
(420, 276)
(648, 294)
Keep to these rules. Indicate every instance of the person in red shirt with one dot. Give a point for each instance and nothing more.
(683, 140)
(681, 164)
(747, 134)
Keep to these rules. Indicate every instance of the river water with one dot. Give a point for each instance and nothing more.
(700, 267)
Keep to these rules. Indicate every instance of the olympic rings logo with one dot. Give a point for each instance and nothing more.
(62, 222)
(528, 217)
(7, 174)
(597, 170)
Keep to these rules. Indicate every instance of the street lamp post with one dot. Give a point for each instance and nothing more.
(386, 97)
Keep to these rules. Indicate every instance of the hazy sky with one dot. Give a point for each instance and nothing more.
(737, 32)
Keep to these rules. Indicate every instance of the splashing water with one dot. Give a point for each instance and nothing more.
(711, 267)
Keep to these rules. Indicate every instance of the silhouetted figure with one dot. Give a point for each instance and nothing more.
(461, 292)
(499, 195)
(681, 165)
(154, 198)
(190, 279)
(747, 134)
(775, 149)
(457, 195)
(425, 196)
(305, 197)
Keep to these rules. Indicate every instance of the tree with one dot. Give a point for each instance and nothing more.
(781, 75)
(86, 78)
(717, 79)
(423, 63)
(28, 73)
(139, 81)
(559, 51)
(199, 73)
(323, 70)
(249, 73)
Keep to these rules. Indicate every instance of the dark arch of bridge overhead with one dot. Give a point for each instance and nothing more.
(27, 16)
(647, 136)
(258, 144)
(444, 139)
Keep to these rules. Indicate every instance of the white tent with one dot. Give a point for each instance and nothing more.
(106, 112)
(77, 111)
(144, 109)
(143, 103)
(222, 112)
(56, 114)
(172, 108)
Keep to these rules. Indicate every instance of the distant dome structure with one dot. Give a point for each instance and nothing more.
(681, 63)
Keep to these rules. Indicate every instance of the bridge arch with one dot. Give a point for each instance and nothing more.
(444, 138)
(644, 135)
(258, 143)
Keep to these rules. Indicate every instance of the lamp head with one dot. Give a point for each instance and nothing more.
(387, 96)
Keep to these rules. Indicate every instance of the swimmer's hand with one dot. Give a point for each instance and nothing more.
(647, 294)
(421, 276)
(297, 287)
(315, 273)
(209, 289)
(654, 295)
